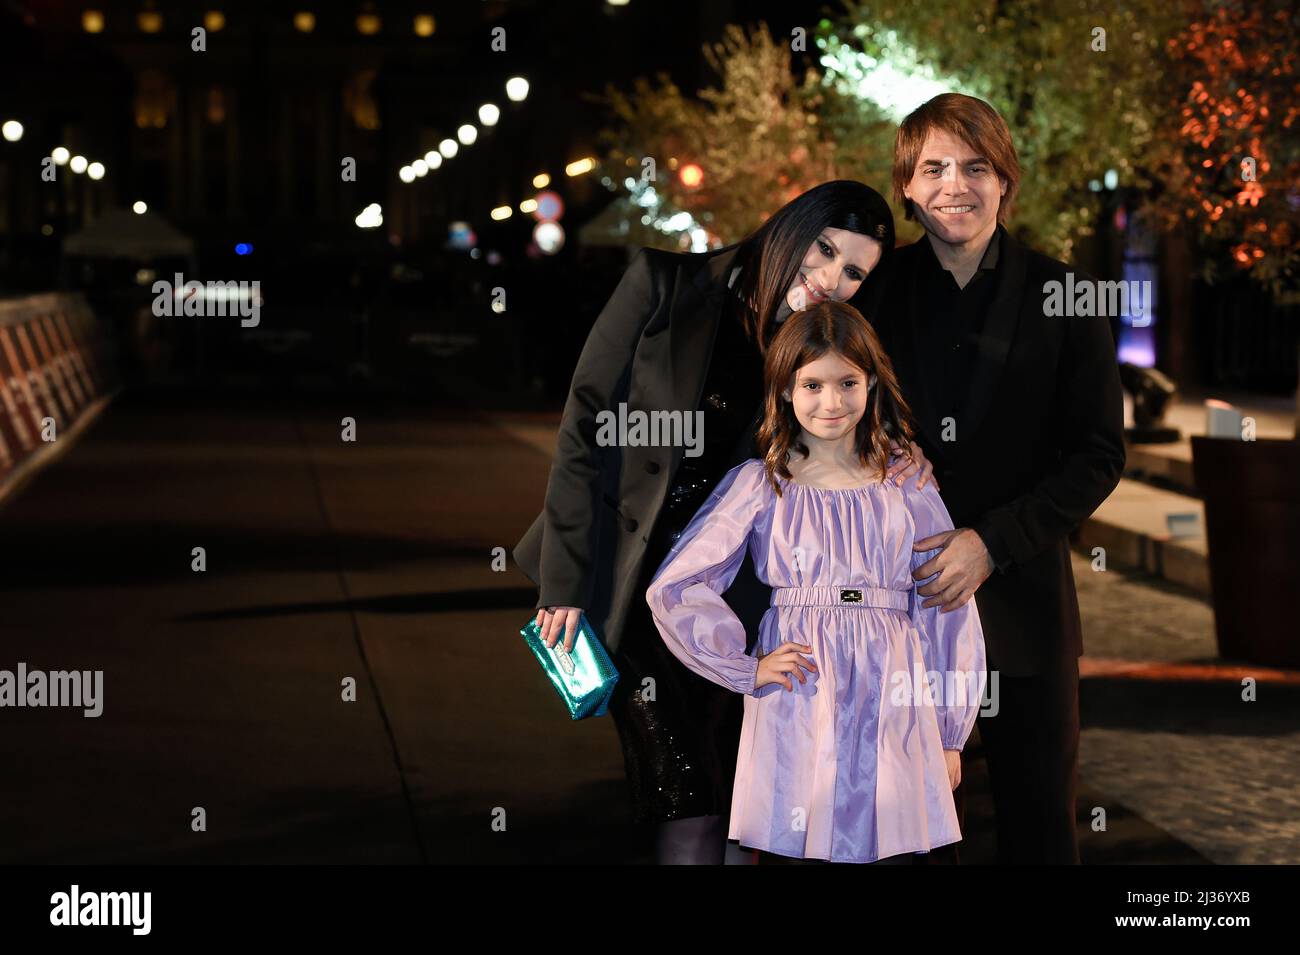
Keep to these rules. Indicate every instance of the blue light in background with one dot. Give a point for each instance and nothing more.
(243, 248)
(1137, 333)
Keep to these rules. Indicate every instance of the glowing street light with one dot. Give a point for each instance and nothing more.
(95, 170)
(517, 89)
(541, 180)
(448, 148)
(549, 237)
(691, 175)
(433, 159)
(12, 130)
(78, 164)
(140, 208)
(502, 212)
(580, 167)
(60, 156)
(467, 134)
(406, 174)
(421, 167)
(488, 114)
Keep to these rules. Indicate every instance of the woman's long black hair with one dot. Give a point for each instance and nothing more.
(770, 256)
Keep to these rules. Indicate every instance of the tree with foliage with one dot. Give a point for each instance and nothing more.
(1172, 95)
(756, 136)
(1236, 177)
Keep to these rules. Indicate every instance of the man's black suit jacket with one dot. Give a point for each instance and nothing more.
(1039, 441)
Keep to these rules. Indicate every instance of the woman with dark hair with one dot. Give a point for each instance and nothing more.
(683, 334)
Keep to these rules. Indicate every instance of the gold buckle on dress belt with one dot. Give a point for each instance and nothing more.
(850, 596)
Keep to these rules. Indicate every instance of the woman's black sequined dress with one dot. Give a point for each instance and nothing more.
(680, 738)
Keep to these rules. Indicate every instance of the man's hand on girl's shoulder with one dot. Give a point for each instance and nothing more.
(909, 461)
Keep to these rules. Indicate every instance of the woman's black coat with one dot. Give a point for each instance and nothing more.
(650, 347)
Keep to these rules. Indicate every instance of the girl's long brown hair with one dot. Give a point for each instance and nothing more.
(804, 337)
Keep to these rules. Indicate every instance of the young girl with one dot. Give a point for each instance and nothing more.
(858, 699)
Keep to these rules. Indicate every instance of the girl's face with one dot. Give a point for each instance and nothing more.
(833, 268)
(829, 396)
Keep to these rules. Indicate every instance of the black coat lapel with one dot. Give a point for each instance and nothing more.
(890, 301)
(999, 332)
(912, 345)
(692, 328)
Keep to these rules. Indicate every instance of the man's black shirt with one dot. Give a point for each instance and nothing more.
(953, 317)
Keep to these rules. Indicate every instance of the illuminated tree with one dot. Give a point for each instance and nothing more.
(1237, 178)
(760, 137)
(1171, 95)
(1074, 81)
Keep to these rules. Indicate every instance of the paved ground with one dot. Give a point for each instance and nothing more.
(373, 561)
(1165, 729)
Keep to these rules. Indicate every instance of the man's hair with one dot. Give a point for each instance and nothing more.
(973, 121)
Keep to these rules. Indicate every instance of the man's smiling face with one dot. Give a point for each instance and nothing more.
(955, 192)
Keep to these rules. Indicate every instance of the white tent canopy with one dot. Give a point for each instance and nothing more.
(122, 234)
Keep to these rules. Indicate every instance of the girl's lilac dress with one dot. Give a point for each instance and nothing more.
(849, 766)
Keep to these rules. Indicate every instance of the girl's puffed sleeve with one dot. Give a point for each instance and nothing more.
(685, 595)
(953, 642)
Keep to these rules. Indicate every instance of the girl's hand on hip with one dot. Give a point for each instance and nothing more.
(953, 758)
(557, 621)
(773, 666)
(903, 468)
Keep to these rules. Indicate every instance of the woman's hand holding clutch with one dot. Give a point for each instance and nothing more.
(555, 621)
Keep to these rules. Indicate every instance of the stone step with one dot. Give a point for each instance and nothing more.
(1132, 526)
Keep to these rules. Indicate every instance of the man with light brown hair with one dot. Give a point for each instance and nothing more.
(1022, 415)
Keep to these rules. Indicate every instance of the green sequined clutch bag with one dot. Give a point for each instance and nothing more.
(584, 677)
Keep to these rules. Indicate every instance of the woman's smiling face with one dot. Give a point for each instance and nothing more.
(833, 268)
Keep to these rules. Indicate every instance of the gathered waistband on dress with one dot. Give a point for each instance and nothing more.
(840, 597)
